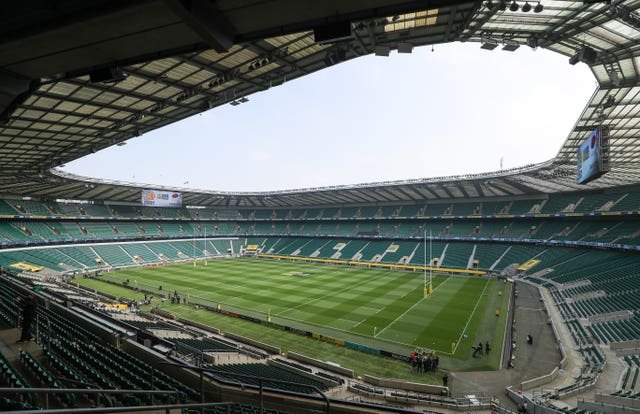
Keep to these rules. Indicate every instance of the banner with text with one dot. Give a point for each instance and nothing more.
(156, 198)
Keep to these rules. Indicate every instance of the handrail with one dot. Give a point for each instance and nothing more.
(48, 391)
(259, 379)
(48, 322)
(5, 390)
(110, 410)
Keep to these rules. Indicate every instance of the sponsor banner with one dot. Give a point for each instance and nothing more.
(250, 318)
(156, 198)
(297, 331)
(362, 348)
(328, 339)
(393, 355)
(228, 313)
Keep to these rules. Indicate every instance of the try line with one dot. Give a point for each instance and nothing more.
(470, 317)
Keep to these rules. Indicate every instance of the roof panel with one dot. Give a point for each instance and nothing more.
(622, 29)
(408, 21)
(611, 36)
(65, 114)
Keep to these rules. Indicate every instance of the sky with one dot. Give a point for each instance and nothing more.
(455, 110)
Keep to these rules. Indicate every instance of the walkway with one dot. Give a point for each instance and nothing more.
(531, 361)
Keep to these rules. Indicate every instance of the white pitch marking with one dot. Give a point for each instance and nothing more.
(414, 305)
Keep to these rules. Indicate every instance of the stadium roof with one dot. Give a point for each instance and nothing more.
(81, 76)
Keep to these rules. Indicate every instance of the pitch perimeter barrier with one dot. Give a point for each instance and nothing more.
(406, 385)
(363, 348)
(321, 364)
(392, 266)
(269, 348)
(326, 381)
(199, 325)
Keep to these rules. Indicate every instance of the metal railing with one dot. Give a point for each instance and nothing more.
(48, 391)
(235, 377)
(168, 409)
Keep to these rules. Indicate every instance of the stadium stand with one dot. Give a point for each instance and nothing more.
(125, 211)
(9, 232)
(81, 256)
(398, 252)
(94, 210)
(34, 208)
(6, 209)
(458, 255)
(577, 243)
(607, 271)
(412, 210)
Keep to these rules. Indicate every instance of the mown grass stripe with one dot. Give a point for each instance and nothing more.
(346, 299)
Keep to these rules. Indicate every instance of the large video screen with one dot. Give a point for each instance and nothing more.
(155, 198)
(589, 158)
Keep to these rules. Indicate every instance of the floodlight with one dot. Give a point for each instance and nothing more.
(514, 6)
(586, 55)
(538, 8)
(381, 50)
(488, 46)
(405, 47)
(574, 59)
(527, 7)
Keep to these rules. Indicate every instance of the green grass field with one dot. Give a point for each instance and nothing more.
(381, 308)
